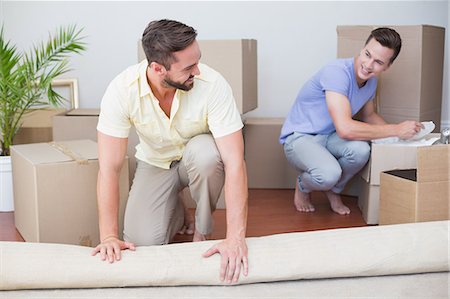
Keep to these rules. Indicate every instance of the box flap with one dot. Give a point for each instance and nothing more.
(365, 172)
(390, 157)
(433, 163)
(83, 112)
(56, 152)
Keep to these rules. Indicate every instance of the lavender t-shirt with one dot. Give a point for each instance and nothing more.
(309, 114)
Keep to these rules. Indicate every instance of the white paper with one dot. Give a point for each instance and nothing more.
(416, 140)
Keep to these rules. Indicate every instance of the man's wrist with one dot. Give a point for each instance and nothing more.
(109, 237)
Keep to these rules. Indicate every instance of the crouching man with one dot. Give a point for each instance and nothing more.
(190, 134)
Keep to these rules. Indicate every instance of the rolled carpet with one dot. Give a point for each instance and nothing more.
(350, 252)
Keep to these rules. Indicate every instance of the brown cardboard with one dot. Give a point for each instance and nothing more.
(390, 156)
(76, 124)
(55, 194)
(433, 164)
(36, 126)
(421, 194)
(82, 124)
(267, 166)
(236, 60)
(412, 88)
(369, 202)
(383, 157)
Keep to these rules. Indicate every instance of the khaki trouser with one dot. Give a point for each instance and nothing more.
(154, 212)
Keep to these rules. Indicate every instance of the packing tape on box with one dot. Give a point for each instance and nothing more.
(346, 252)
(68, 152)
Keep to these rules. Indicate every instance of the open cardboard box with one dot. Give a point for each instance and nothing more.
(420, 194)
(384, 157)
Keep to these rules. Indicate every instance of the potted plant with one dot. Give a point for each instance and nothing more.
(25, 82)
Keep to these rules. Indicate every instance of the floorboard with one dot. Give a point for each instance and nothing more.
(271, 211)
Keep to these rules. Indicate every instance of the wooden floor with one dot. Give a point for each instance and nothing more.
(271, 211)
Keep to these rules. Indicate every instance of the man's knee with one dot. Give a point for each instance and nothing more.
(325, 179)
(358, 152)
(202, 154)
(145, 237)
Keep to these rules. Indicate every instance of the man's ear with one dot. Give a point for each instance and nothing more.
(157, 68)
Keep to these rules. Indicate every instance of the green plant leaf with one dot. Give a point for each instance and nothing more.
(25, 78)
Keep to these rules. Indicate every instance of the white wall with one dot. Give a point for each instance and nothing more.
(446, 96)
(294, 38)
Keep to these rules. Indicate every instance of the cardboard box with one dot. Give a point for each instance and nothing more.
(384, 157)
(37, 126)
(421, 194)
(55, 192)
(76, 124)
(267, 166)
(82, 124)
(412, 88)
(236, 60)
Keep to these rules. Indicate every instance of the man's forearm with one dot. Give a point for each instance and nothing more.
(375, 119)
(236, 198)
(357, 130)
(108, 205)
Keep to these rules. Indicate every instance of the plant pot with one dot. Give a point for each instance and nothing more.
(6, 186)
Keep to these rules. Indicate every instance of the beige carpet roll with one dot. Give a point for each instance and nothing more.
(350, 252)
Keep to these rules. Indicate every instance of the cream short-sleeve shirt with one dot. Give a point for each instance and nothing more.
(209, 107)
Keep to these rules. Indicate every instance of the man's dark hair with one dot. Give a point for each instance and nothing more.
(161, 38)
(389, 38)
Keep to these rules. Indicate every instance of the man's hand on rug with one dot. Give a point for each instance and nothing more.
(234, 255)
(111, 247)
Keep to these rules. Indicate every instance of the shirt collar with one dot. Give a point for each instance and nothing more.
(141, 76)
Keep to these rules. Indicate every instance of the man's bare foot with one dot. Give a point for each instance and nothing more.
(336, 203)
(188, 229)
(198, 237)
(302, 201)
(189, 222)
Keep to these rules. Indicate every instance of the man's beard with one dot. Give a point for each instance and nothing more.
(177, 85)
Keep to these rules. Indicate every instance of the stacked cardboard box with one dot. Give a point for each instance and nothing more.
(267, 166)
(412, 88)
(421, 194)
(76, 124)
(236, 60)
(37, 126)
(55, 195)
